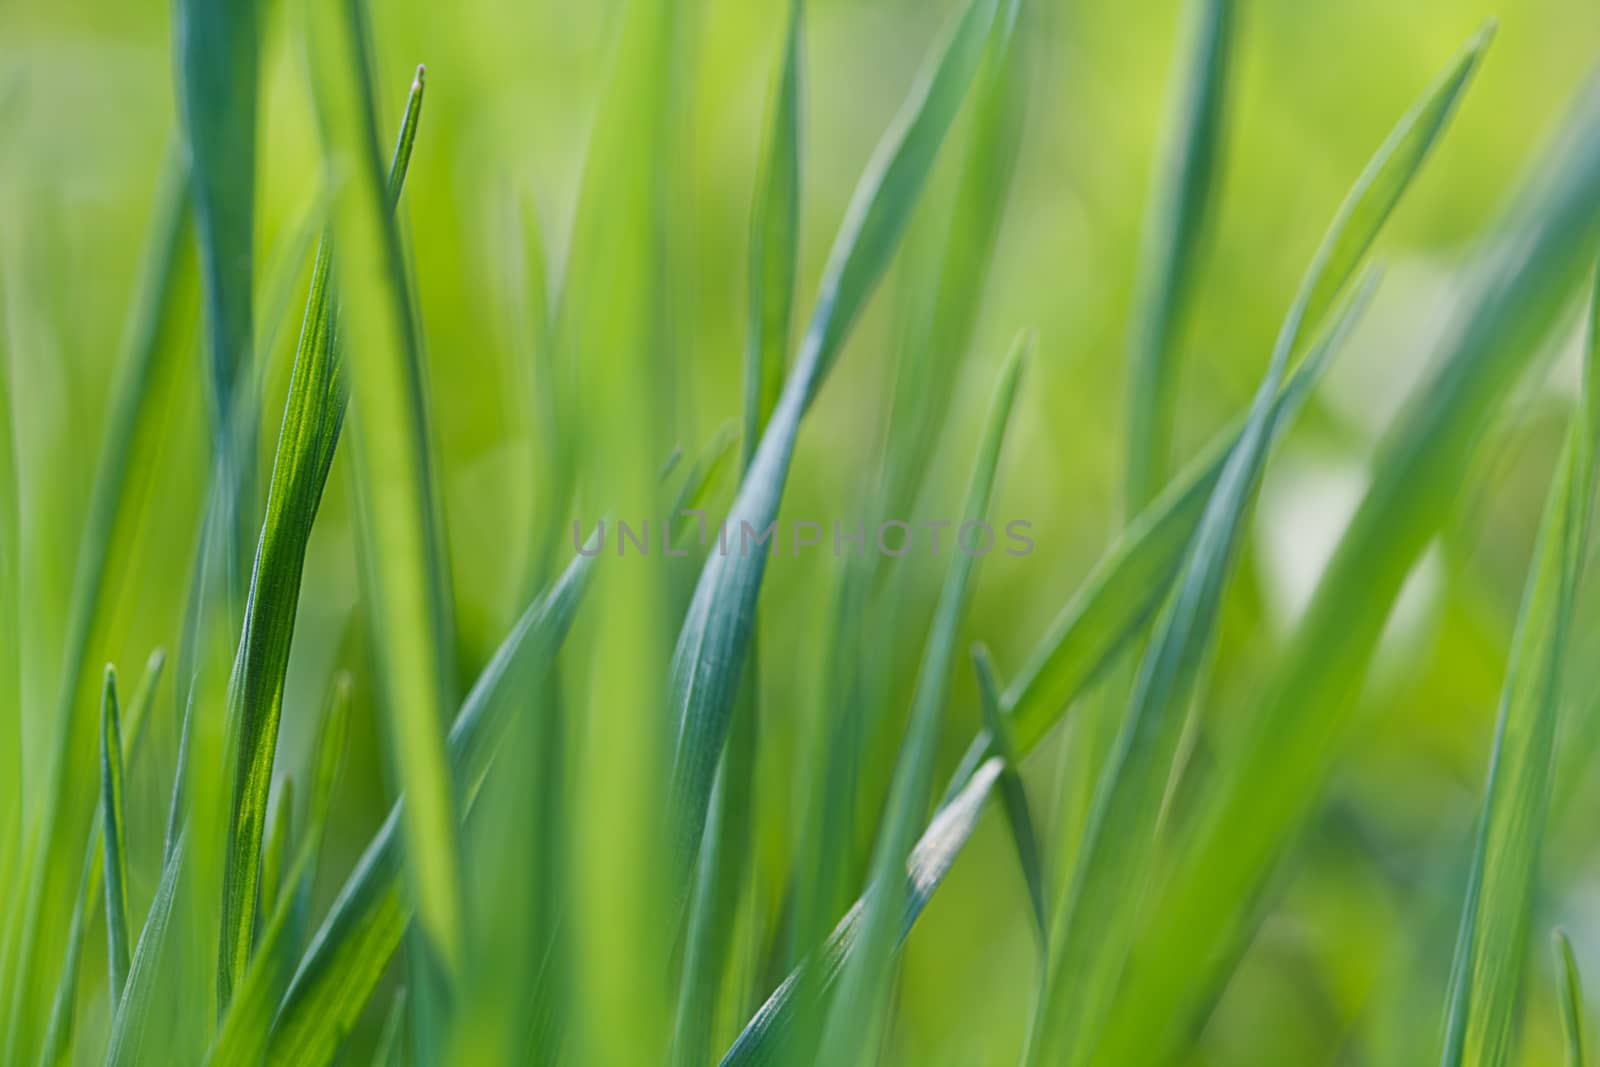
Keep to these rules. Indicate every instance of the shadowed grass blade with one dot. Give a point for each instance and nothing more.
(1182, 201)
(115, 847)
(1571, 998)
(853, 1019)
(1019, 818)
(312, 419)
(1486, 975)
(406, 574)
(710, 654)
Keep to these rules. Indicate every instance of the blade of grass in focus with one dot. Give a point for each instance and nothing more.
(406, 588)
(712, 645)
(854, 1019)
(115, 844)
(1486, 975)
(312, 420)
(1571, 998)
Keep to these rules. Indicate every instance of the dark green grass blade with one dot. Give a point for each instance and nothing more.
(853, 1019)
(115, 847)
(1571, 998)
(1182, 201)
(775, 239)
(1486, 974)
(1253, 809)
(711, 650)
(406, 574)
(312, 419)
(352, 947)
(152, 353)
(1019, 818)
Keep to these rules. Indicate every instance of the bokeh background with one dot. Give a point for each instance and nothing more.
(1351, 966)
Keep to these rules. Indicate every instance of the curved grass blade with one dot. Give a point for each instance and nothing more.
(854, 1018)
(1486, 974)
(115, 840)
(1181, 207)
(1571, 998)
(1254, 807)
(407, 597)
(1012, 793)
(709, 658)
(152, 353)
(313, 417)
(351, 949)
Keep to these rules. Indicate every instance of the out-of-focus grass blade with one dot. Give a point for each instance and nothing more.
(63, 1010)
(1180, 211)
(775, 239)
(1253, 807)
(1486, 974)
(1571, 998)
(390, 1049)
(1013, 795)
(351, 949)
(853, 1019)
(115, 842)
(133, 1012)
(710, 654)
(247, 1025)
(1093, 930)
(152, 351)
(407, 594)
(312, 419)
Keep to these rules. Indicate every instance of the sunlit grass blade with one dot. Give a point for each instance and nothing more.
(312, 420)
(406, 589)
(853, 1019)
(1255, 805)
(1181, 206)
(351, 949)
(1486, 974)
(1019, 817)
(115, 840)
(1571, 998)
(153, 351)
(709, 658)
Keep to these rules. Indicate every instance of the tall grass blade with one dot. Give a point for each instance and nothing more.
(1571, 999)
(116, 836)
(273, 851)
(1019, 817)
(1486, 974)
(711, 650)
(313, 417)
(407, 596)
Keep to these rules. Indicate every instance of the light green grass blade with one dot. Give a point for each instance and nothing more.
(775, 239)
(1486, 974)
(855, 1015)
(1095, 925)
(135, 1010)
(390, 1049)
(152, 354)
(1253, 808)
(1181, 206)
(407, 576)
(351, 949)
(312, 419)
(1019, 817)
(280, 832)
(115, 838)
(1571, 998)
(712, 646)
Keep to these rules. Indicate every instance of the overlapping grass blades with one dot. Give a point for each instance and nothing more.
(312, 419)
(1486, 975)
(1019, 816)
(405, 572)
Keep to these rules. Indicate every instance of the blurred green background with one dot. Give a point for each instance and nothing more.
(1351, 966)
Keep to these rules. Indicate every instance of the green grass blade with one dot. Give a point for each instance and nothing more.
(1019, 818)
(312, 420)
(390, 1049)
(351, 949)
(134, 1011)
(1486, 975)
(710, 654)
(152, 353)
(279, 834)
(775, 239)
(1255, 806)
(407, 596)
(115, 839)
(1182, 203)
(853, 1019)
(1571, 998)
